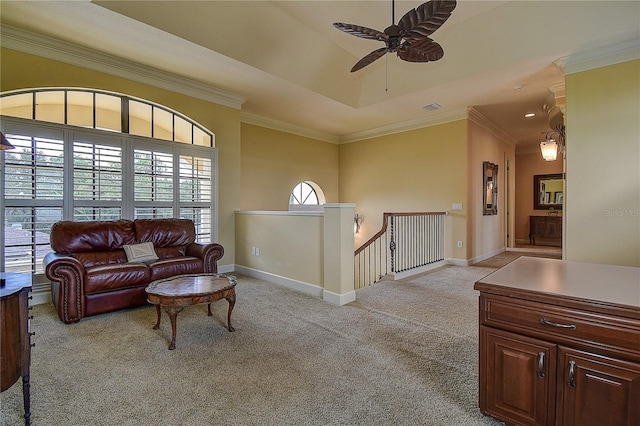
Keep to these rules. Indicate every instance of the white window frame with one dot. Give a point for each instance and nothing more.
(316, 190)
(13, 125)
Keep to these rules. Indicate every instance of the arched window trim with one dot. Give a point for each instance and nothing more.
(304, 206)
(124, 111)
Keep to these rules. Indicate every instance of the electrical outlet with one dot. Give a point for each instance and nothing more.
(253, 251)
(459, 244)
(456, 206)
(257, 251)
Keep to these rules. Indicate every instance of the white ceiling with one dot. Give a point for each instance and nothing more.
(292, 66)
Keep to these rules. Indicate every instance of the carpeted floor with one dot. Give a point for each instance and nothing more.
(404, 353)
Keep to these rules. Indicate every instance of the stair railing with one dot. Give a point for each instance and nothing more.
(405, 242)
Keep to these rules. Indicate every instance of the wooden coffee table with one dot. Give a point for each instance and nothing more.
(174, 293)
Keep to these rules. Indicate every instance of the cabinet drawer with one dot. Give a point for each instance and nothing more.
(561, 324)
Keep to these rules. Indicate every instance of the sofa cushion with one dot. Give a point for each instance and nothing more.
(165, 268)
(171, 252)
(165, 232)
(109, 277)
(142, 252)
(97, 258)
(69, 237)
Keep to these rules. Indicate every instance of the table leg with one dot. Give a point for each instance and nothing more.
(209, 310)
(173, 313)
(26, 396)
(232, 301)
(157, 326)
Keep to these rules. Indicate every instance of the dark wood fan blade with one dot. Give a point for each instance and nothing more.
(376, 54)
(425, 50)
(425, 19)
(362, 32)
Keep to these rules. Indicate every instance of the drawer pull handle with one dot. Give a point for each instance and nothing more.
(541, 365)
(572, 374)
(555, 324)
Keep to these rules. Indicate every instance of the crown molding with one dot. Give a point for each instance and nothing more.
(257, 120)
(623, 51)
(405, 126)
(476, 117)
(47, 47)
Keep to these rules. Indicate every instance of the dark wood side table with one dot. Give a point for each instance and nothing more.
(15, 340)
(546, 227)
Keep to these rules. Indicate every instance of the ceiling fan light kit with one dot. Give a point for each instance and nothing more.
(410, 38)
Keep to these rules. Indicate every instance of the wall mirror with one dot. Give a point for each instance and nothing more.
(490, 191)
(547, 191)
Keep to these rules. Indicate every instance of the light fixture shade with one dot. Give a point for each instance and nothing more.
(549, 150)
(4, 142)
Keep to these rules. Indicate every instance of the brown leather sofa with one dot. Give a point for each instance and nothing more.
(91, 274)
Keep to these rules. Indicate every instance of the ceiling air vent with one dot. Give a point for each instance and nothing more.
(431, 107)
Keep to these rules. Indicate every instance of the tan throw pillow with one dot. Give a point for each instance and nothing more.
(142, 252)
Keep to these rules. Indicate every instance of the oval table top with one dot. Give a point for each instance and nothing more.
(191, 285)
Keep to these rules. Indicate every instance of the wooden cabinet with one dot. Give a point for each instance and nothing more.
(560, 343)
(15, 337)
(517, 372)
(548, 228)
(597, 390)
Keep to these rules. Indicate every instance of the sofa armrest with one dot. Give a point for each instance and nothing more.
(67, 289)
(209, 253)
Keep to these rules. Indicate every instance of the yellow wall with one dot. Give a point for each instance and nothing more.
(528, 165)
(290, 243)
(20, 70)
(603, 165)
(273, 162)
(487, 234)
(419, 170)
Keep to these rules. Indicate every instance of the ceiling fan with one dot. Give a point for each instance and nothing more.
(414, 28)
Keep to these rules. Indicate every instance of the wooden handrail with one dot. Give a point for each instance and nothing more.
(385, 216)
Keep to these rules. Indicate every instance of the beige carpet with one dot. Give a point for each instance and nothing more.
(405, 353)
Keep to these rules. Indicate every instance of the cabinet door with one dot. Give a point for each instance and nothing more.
(553, 228)
(540, 226)
(517, 377)
(596, 390)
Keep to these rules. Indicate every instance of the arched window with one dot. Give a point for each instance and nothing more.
(82, 154)
(306, 195)
(103, 110)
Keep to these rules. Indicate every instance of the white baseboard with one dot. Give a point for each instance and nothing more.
(421, 269)
(225, 269)
(486, 256)
(457, 262)
(338, 299)
(311, 289)
(40, 297)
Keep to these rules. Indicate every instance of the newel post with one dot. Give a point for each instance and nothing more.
(338, 269)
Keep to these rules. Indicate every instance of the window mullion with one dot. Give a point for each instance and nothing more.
(67, 190)
(128, 180)
(177, 174)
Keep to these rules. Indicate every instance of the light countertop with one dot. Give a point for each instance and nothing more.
(613, 284)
